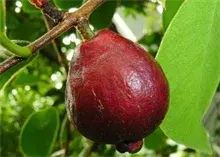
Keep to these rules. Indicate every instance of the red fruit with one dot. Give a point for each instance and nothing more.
(116, 92)
(38, 3)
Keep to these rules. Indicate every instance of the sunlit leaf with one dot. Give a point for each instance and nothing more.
(189, 55)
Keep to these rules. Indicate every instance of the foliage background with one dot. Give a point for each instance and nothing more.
(41, 84)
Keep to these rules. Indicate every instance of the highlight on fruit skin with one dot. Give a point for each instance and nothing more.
(38, 3)
(116, 92)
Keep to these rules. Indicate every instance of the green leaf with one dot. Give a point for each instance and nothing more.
(26, 32)
(156, 140)
(171, 7)
(39, 133)
(8, 75)
(132, 8)
(29, 8)
(66, 5)
(102, 16)
(190, 57)
(26, 79)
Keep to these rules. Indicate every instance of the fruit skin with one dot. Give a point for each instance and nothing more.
(116, 92)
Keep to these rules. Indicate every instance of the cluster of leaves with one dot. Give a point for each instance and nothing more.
(191, 47)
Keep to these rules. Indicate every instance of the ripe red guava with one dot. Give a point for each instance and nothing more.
(116, 92)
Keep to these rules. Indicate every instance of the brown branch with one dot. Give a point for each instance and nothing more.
(67, 23)
(5, 65)
(69, 20)
(89, 7)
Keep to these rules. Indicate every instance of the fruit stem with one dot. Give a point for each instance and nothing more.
(85, 30)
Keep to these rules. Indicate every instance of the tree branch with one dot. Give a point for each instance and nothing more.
(5, 65)
(69, 20)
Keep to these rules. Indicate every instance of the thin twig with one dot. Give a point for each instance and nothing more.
(66, 146)
(69, 20)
